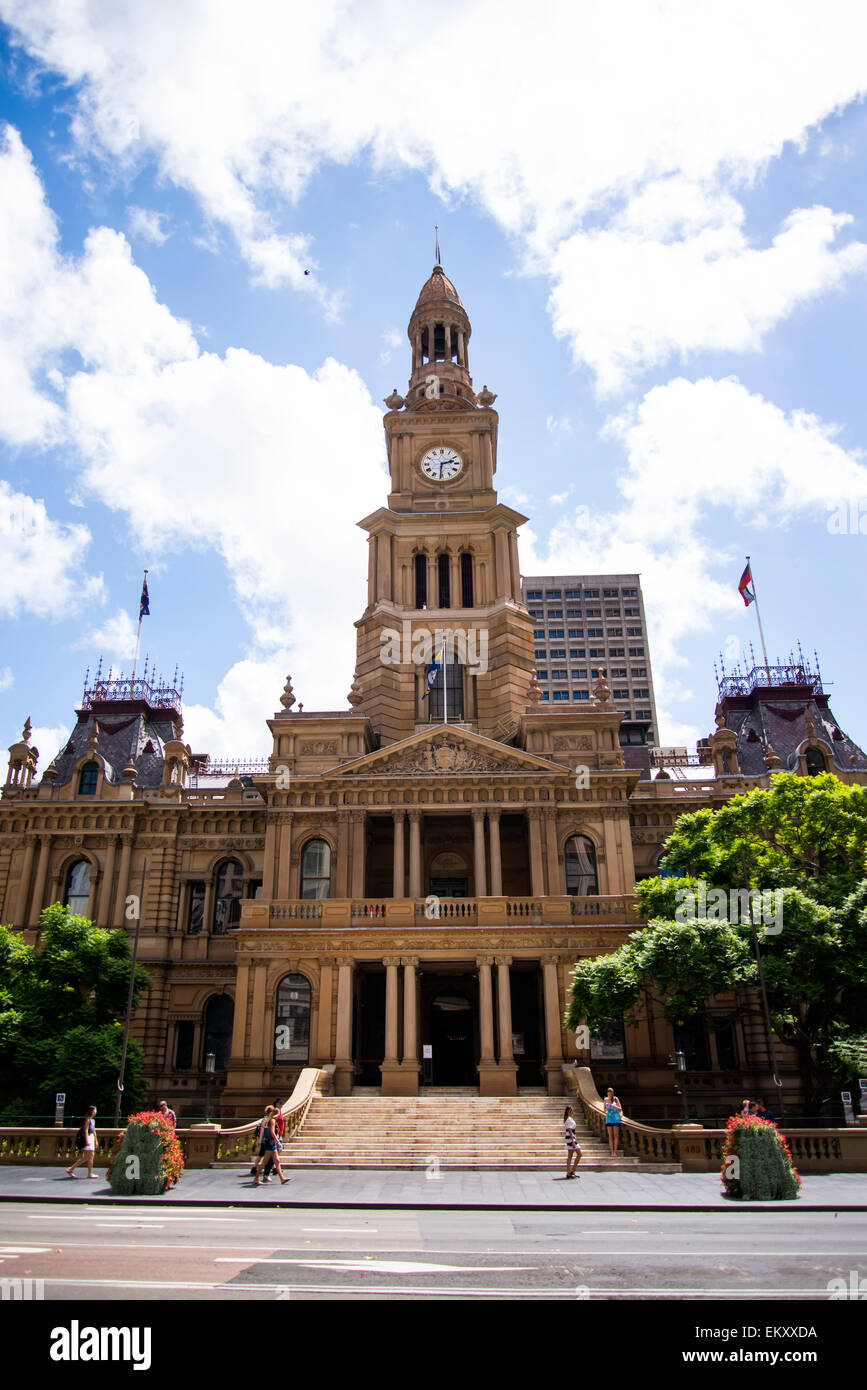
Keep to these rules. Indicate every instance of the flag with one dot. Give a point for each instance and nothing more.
(144, 602)
(746, 593)
(431, 674)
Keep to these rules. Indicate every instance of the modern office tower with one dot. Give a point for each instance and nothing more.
(584, 623)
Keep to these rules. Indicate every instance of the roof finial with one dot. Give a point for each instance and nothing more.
(437, 241)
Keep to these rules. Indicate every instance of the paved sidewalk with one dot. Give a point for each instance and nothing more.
(480, 1191)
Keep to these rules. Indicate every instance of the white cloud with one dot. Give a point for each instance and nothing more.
(7, 679)
(116, 637)
(42, 571)
(50, 740)
(391, 338)
(247, 695)
(677, 275)
(692, 448)
(558, 425)
(609, 102)
(267, 465)
(148, 224)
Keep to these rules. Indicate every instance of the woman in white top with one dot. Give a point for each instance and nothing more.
(573, 1148)
(87, 1148)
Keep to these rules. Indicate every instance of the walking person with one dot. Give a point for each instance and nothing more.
(573, 1148)
(85, 1143)
(279, 1127)
(271, 1144)
(168, 1114)
(613, 1121)
(258, 1140)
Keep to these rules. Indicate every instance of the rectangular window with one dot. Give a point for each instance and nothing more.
(553, 593)
(615, 632)
(618, 673)
(421, 581)
(541, 656)
(616, 651)
(558, 653)
(630, 593)
(576, 632)
(544, 694)
(610, 593)
(538, 634)
(634, 632)
(184, 1045)
(609, 1045)
(643, 714)
(541, 675)
(444, 576)
(637, 671)
(555, 632)
(561, 694)
(631, 613)
(633, 651)
(467, 597)
(581, 695)
(555, 612)
(580, 674)
(593, 612)
(596, 651)
(559, 675)
(196, 910)
(591, 593)
(594, 632)
(621, 694)
(537, 614)
(612, 612)
(454, 674)
(642, 694)
(534, 593)
(573, 593)
(573, 612)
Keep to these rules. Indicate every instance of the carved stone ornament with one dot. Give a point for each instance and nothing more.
(447, 755)
(485, 397)
(287, 699)
(318, 745)
(395, 401)
(579, 742)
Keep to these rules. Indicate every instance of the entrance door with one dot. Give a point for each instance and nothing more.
(452, 1039)
(369, 1027)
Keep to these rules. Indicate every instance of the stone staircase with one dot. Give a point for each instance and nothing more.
(447, 1129)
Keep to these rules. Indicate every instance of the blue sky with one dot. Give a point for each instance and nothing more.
(656, 218)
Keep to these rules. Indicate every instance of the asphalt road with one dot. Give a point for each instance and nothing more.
(238, 1255)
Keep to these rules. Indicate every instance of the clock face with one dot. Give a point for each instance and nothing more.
(441, 464)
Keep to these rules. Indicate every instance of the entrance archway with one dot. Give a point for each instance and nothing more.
(449, 1022)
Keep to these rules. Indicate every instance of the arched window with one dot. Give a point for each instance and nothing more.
(316, 869)
(219, 1018)
(466, 579)
(78, 887)
(814, 761)
(292, 1021)
(227, 905)
(420, 563)
(444, 580)
(452, 673)
(87, 779)
(581, 876)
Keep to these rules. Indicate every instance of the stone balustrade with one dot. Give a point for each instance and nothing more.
(201, 1146)
(619, 909)
(699, 1150)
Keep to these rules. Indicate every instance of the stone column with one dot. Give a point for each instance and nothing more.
(455, 572)
(515, 568)
(341, 876)
(501, 552)
(123, 884)
(41, 876)
(24, 884)
(537, 877)
(488, 1069)
(553, 1028)
(343, 1066)
(108, 884)
(496, 858)
(555, 886)
(371, 569)
(611, 882)
(359, 819)
(390, 1065)
(258, 1052)
(433, 582)
(239, 1023)
(481, 884)
(323, 1040)
(283, 864)
(415, 890)
(508, 1071)
(399, 875)
(410, 1025)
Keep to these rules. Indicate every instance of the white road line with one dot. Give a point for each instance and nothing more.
(25, 1250)
(386, 1266)
(459, 1291)
(174, 1216)
(343, 1230)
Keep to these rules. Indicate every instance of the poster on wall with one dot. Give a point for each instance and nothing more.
(609, 1045)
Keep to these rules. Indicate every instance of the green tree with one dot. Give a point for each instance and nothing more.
(802, 844)
(62, 1006)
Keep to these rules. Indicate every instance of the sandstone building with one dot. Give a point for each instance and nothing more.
(402, 889)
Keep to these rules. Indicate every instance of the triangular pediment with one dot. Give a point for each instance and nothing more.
(442, 750)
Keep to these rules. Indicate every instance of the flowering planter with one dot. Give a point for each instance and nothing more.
(147, 1157)
(757, 1165)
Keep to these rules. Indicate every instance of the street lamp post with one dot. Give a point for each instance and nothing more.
(680, 1065)
(209, 1072)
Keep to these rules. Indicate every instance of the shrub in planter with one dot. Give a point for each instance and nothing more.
(147, 1157)
(757, 1165)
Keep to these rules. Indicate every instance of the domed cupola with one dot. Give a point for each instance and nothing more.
(439, 331)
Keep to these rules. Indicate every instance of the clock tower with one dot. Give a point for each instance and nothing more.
(443, 554)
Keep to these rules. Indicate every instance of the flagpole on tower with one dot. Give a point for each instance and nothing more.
(143, 611)
(759, 621)
(437, 239)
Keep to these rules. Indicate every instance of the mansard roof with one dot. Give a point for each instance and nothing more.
(786, 718)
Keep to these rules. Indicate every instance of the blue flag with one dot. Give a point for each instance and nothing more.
(430, 676)
(144, 602)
